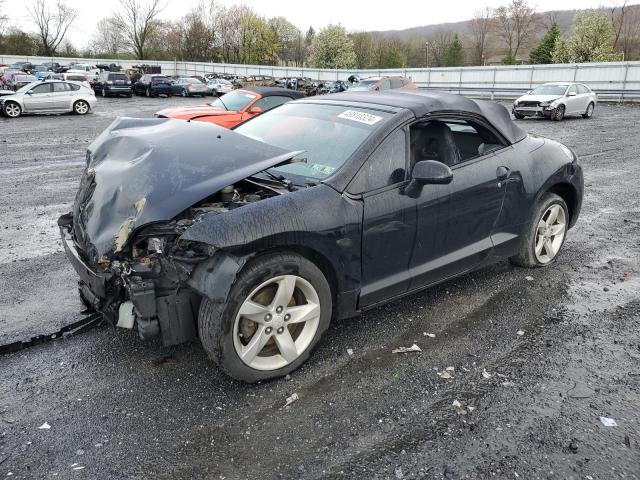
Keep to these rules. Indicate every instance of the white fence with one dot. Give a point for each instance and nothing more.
(599, 76)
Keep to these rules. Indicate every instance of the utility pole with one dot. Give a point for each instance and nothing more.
(427, 45)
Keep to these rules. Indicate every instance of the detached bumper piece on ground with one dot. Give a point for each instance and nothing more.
(255, 239)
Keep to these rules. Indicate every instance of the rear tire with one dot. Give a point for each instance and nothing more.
(545, 235)
(589, 112)
(519, 116)
(81, 107)
(272, 345)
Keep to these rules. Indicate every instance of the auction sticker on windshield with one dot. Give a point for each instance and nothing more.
(361, 117)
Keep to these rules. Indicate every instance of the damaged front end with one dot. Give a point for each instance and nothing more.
(146, 183)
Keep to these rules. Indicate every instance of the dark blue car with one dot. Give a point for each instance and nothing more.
(254, 239)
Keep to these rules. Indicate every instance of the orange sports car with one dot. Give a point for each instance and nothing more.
(234, 107)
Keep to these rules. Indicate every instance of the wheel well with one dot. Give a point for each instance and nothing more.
(568, 194)
(317, 259)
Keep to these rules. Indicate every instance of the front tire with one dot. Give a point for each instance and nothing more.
(518, 116)
(274, 315)
(558, 113)
(546, 234)
(12, 109)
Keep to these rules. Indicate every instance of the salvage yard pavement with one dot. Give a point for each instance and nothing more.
(536, 359)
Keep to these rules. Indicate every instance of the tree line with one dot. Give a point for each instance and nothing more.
(513, 33)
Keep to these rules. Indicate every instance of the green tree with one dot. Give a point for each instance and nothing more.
(17, 42)
(591, 40)
(363, 47)
(508, 59)
(287, 38)
(454, 54)
(332, 48)
(543, 53)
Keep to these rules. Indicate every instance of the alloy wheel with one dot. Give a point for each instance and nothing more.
(550, 233)
(81, 108)
(589, 110)
(276, 323)
(12, 110)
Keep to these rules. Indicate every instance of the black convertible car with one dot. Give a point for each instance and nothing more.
(254, 239)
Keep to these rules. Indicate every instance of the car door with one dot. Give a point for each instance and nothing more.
(38, 98)
(60, 96)
(455, 221)
(573, 100)
(389, 220)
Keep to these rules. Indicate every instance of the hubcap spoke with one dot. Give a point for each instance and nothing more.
(553, 215)
(254, 311)
(303, 313)
(548, 247)
(255, 345)
(286, 286)
(286, 345)
(557, 229)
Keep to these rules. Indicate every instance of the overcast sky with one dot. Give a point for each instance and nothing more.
(353, 14)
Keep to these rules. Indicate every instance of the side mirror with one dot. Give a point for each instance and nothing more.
(29, 92)
(255, 110)
(571, 94)
(427, 172)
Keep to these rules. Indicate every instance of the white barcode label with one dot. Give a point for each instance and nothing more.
(361, 117)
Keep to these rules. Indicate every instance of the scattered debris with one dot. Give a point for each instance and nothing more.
(529, 278)
(350, 351)
(508, 384)
(627, 441)
(430, 335)
(412, 348)
(520, 332)
(459, 408)
(291, 399)
(450, 369)
(444, 374)
(44, 426)
(608, 422)
(486, 374)
(399, 473)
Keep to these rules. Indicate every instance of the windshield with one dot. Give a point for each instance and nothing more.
(234, 101)
(25, 88)
(549, 90)
(192, 80)
(77, 78)
(328, 135)
(364, 85)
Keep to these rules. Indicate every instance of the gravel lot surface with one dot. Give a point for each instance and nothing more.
(538, 356)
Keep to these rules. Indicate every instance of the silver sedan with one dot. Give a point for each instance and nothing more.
(556, 100)
(47, 97)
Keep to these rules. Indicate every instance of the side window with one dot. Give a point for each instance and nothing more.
(73, 86)
(384, 85)
(451, 141)
(573, 89)
(267, 103)
(386, 166)
(42, 88)
(396, 83)
(59, 87)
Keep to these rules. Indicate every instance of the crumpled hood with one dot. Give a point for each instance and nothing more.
(147, 170)
(538, 98)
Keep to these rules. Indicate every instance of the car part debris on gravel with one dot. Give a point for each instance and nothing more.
(74, 328)
(412, 348)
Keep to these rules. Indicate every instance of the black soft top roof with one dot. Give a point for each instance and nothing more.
(269, 91)
(423, 102)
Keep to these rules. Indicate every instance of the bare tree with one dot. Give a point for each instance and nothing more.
(627, 31)
(480, 27)
(619, 19)
(515, 24)
(107, 39)
(3, 18)
(137, 21)
(52, 24)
